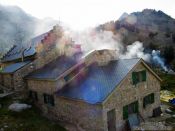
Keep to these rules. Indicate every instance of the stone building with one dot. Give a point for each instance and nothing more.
(98, 92)
(20, 60)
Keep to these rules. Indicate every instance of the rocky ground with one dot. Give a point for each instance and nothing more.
(32, 119)
(27, 120)
(167, 119)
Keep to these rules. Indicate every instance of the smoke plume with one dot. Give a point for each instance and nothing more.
(95, 40)
(136, 50)
(158, 61)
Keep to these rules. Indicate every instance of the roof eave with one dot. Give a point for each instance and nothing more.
(7, 73)
(80, 100)
(40, 79)
(15, 70)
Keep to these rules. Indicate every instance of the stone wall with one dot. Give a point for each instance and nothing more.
(102, 57)
(45, 58)
(8, 80)
(47, 49)
(43, 86)
(87, 116)
(127, 93)
(18, 77)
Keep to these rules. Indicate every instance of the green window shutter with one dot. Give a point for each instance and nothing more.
(125, 112)
(149, 99)
(143, 75)
(136, 107)
(0, 69)
(134, 78)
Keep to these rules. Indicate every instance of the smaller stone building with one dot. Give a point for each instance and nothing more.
(98, 93)
(20, 60)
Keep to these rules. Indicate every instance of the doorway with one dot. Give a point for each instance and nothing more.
(111, 118)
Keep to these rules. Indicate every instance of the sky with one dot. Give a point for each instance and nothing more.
(80, 14)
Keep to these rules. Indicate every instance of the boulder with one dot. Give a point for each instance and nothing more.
(168, 111)
(18, 107)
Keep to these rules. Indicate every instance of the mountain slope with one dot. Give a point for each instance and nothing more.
(155, 29)
(149, 26)
(16, 27)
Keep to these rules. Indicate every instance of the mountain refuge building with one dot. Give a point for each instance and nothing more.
(98, 93)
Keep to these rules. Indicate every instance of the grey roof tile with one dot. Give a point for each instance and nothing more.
(98, 82)
(14, 67)
(54, 68)
(16, 51)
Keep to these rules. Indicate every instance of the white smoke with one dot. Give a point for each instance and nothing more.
(44, 25)
(157, 60)
(96, 40)
(136, 50)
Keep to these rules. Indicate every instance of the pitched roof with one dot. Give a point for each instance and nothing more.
(99, 81)
(16, 51)
(14, 67)
(54, 68)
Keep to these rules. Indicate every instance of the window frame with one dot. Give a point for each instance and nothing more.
(135, 107)
(148, 100)
(139, 76)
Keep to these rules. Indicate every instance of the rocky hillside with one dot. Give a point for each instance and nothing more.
(154, 28)
(149, 26)
(16, 27)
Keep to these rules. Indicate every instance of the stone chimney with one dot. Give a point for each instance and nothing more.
(102, 57)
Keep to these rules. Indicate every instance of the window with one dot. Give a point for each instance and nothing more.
(149, 99)
(49, 99)
(33, 95)
(130, 109)
(138, 77)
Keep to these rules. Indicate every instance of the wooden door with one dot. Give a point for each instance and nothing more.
(111, 117)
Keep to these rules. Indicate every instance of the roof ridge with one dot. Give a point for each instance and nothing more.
(129, 58)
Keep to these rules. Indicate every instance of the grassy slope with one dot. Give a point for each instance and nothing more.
(28, 120)
(167, 85)
(168, 82)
